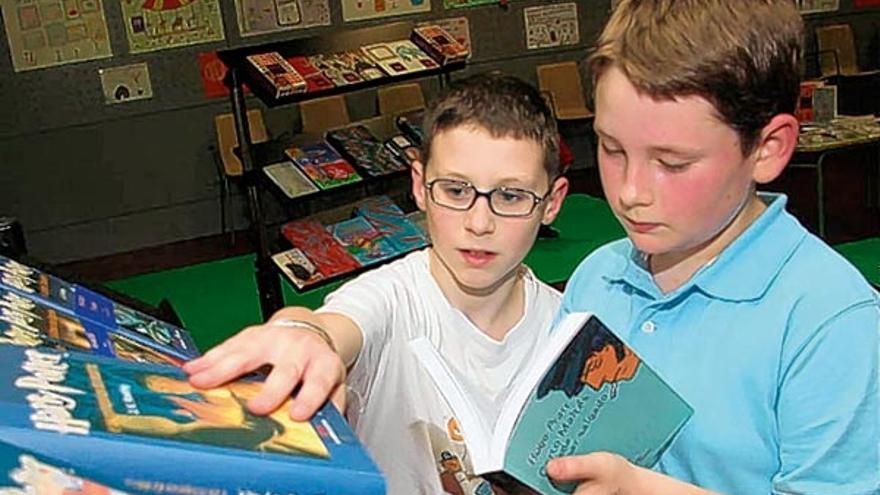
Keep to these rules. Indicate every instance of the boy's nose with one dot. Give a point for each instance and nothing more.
(479, 219)
(635, 188)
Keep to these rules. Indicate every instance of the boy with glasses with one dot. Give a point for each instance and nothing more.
(488, 180)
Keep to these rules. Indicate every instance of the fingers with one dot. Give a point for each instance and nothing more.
(320, 378)
(276, 389)
(226, 362)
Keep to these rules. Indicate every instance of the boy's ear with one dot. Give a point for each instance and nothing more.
(558, 190)
(417, 172)
(777, 143)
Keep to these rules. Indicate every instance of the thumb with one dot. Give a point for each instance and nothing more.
(338, 397)
(572, 468)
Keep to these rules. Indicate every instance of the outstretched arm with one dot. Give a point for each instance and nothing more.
(298, 357)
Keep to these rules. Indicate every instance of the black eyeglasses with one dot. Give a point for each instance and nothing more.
(503, 201)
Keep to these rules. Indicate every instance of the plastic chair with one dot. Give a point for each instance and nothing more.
(321, 114)
(402, 98)
(562, 82)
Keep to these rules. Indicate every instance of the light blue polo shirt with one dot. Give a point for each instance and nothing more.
(776, 345)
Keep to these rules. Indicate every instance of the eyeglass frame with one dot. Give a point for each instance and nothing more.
(536, 200)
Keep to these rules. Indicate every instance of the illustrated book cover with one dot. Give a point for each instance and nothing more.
(29, 322)
(144, 429)
(289, 179)
(439, 44)
(86, 304)
(585, 391)
(363, 241)
(393, 223)
(320, 248)
(399, 57)
(410, 124)
(323, 165)
(297, 268)
(361, 147)
(275, 75)
(315, 79)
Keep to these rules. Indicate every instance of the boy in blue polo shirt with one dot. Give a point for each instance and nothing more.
(772, 337)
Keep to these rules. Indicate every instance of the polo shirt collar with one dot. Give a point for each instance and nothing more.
(743, 271)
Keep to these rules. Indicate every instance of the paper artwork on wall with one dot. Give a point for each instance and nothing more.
(549, 26)
(45, 34)
(458, 27)
(358, 10)
(811, 6)
(159, 24)
(126, 83)
(457, 4)
(270, 16)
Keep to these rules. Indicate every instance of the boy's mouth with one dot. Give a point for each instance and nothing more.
(640, 227)
(477, 257)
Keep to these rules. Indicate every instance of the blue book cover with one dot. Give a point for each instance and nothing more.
(586, 391)
(89, 305)
(363, 241)
(390, 220)
(28, 321)
(141, 428)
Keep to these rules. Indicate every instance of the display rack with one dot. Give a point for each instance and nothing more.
(268, 280)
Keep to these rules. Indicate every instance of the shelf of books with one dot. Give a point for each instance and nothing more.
(349, 157)
(292, 71)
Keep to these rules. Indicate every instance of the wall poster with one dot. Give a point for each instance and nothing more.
(159, 24)
(271, 16)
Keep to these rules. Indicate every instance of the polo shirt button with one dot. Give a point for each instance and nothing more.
(648, 327)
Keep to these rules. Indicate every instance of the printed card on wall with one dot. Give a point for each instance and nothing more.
(458, 27)
(812, 6)
(45, 34)
(358, 10)
(159, 24)
(552, 25)
(270, 16)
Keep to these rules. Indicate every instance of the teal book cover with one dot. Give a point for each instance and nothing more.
(585, 391)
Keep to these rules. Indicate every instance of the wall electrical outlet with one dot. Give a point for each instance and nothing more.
(126, 83)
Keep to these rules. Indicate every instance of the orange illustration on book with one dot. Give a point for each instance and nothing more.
(603, 366)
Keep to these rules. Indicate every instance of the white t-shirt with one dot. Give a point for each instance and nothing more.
(393, 405)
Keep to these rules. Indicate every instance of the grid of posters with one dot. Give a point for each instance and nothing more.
(270, 16)
(811, 6)
(357, 10)
(552, 25)
(458, 27)
(159, 24)
(53, 33)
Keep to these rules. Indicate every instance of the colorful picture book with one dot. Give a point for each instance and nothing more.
(410, 124)
(144, 429)
(363, 241)
(399, 57)
(323, 165)
(322, 249)
(586, 391)
(361, 148)
(29, 322)
(315, 79)
(403, 148)
(439, 44)
(289, 179)
(274, 75)
(345, 68)
(122, 323)
(392, 222)
(297, 267)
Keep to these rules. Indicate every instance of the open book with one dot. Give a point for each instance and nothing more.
(585, 391)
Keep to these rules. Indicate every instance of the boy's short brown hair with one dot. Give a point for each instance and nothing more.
(505, 106)
(743, 56)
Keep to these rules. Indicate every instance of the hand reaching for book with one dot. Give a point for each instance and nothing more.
(301, 358)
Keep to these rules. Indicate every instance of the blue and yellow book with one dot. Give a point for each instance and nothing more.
(143, 429)
(586, 391)
(92, 308)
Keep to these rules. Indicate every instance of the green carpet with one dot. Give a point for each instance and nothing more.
(865, 255)
(215, 300)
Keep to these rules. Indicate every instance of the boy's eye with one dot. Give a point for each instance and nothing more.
(511, 196)
(610, 151)
(674, 165)
(454, 190)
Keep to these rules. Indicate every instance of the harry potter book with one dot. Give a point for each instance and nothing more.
(586, 391)
(143, 429)
(363, 241)
(275, 75)
(319, 247)
(323, 165)
(364, 150)
(390, 220)
(439, 44)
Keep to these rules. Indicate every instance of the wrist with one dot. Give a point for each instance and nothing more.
(307, 326)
